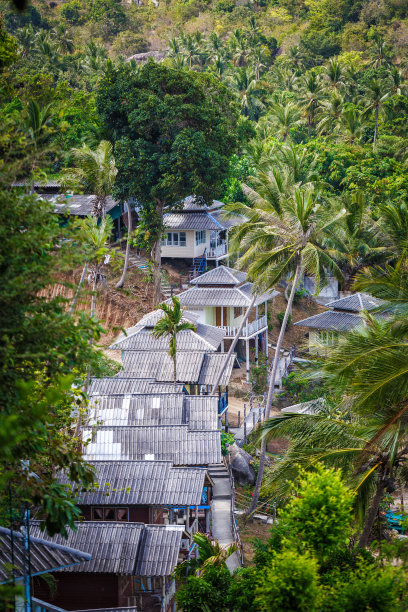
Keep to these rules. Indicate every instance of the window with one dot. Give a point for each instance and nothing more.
(200, 237)
(328, 338)
(237, 311)
(110, 514)
(174, 239)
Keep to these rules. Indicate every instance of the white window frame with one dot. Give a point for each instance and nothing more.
(327, 338)
(200, 237)
(174, 239)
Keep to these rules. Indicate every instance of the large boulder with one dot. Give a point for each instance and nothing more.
(241, 465)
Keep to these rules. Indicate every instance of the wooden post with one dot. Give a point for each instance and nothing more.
(226, 421)
(253, 419)
(245, 432)
(239, 419)
(247, 359)
(245, 411)
(222, 325)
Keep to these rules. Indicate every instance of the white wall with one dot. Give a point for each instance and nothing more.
(180, 251)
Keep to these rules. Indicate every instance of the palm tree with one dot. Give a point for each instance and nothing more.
(283, 116)
(95, 173)
(398, 88)
(95, 234)
(352, 125)
(331, 111)
(380, 53)
(334, 74)
(359, 241)
(169, 325)
(375, 97)
(257, 60)
(310, 96)
(244, 83)
(281, 240)
(210, 554)
(36, 121)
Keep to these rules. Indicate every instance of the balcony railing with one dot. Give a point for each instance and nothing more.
(217, 251)
(248, 330)
(43, 606)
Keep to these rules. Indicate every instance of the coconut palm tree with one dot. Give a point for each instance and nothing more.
(360, 241)
(333, 74)
(374, 98)
(36, 121)
(210, 554)
(284, 115)
(331, 114)
(283, 239)
(352, 125)
(95, 173)
(311, 91)
(171, 324)
(245, 85)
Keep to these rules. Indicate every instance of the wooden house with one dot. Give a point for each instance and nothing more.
(344, 315)
(131, 565)
(220, 298)
(196, 230)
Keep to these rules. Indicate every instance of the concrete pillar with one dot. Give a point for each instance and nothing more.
(222, 324)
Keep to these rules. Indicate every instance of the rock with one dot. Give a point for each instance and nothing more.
(241, 465)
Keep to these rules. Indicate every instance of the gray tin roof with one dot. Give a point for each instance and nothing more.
(125, 385)
(356, 303)
(334, 321)
(175, 443)
(143, 483)
(123, 548)
(222, 296)
(212, 365)
(159, 365)
(191, 221)
(223, 275)
(45, 556)
(200, 412)
(78, 205)
(143, 340)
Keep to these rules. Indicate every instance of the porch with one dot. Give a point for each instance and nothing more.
(218, 251)
(250, 329)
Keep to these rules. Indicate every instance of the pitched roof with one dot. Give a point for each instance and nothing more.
(79, 205)
(200, 412)
(125, 385)
(223, 275)
(45, 556)
(222, 296)
(356, 303)
(334, 321)
(175, 443)
(191, 221)
(142, 483)
(123, 548)
(187, 340)
(212, 365)
(312, 407)
(159, 365)
(193, 203)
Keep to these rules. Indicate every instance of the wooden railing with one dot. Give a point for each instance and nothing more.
(248, 330)
(43, 606)
(217, 251)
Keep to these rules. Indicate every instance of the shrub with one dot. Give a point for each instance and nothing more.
(281, 315)
(290, 583)
(71, 12)
(128, 43)
(225, 6)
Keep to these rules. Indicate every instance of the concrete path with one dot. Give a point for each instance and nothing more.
(221, 512)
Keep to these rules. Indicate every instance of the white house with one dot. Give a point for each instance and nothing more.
(220, 297)
(196, 230)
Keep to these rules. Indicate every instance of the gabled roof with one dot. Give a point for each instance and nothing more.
(191, 221)
(45, 556)
(312, 407)
(331, 320)
(142, 483)
(123, 548)
(356, 303)
(78, 205)
(211, 368)
(174, 443)
(187, 340)
(193, 203)
(125, 385)
(160, 366)
(223, 275)
(199, 412)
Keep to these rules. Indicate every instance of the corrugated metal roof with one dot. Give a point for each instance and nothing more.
(356, 303)
(79, 205)
(200, 412)
(211, 367)
(163, 443)
(159, 365)
(197, 203)
(334, 321)
(119, 548)
(143, 340)
(210, 296)
(223, 275)
(36, 184)
(125, 385)
(312, 407)
(143, 483)
(44, 555)
(191, 221)
(263, 297)
(160, 551)
(224, 222)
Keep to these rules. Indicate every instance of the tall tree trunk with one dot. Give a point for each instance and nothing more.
(271, 389)
(93, 299)
(156, 260)
(372, 513)
(376, 124)
(78, 290)
(126, 262)
(175, 371)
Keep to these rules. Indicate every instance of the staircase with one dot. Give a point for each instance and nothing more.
(199, 265)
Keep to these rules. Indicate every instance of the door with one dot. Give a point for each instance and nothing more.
(221, 316)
